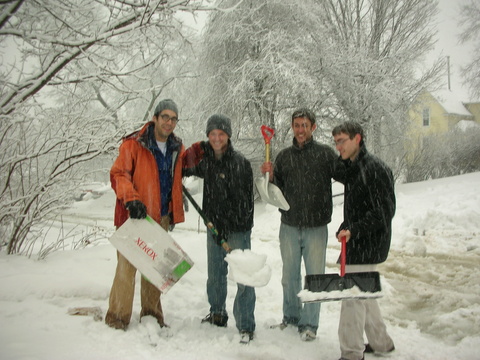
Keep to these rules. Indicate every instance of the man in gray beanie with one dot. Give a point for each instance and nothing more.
(166, 104)
(147, 179)
(220, 122)
(228, 204)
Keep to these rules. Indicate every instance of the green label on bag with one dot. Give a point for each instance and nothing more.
(181, 269)
(150, 220)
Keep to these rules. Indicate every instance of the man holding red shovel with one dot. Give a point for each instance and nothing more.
(304, 173)
(368, 209)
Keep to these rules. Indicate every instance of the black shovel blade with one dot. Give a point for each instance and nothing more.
(365, 281)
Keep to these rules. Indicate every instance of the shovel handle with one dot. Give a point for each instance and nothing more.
(343, 256)
(207, 222)
(267, 133)
(223, 243)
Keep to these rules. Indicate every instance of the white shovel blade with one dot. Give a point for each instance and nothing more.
(307, 296)
(271, 194)
(248, 268)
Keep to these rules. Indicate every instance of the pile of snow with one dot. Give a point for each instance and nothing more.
(467, 125)
(248, 268)
(352, 293)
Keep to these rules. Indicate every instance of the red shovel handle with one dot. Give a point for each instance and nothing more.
(343, 256)
(267, 133)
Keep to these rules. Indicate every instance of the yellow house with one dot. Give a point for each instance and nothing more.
(436, 113)
(474, 109)
(436, 123)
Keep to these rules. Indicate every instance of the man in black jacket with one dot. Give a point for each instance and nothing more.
(368, 209)
(228, 204)
(304, 173)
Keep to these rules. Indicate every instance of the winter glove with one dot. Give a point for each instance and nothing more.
(136, 209)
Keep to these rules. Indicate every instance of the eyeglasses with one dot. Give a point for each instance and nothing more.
(167, 118)
(340, 141)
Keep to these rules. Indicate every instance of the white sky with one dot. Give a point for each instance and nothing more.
(449, 45)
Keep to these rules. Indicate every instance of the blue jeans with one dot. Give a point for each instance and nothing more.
(244, 304)
(295, 244)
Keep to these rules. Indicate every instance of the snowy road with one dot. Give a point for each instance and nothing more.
(433, 288)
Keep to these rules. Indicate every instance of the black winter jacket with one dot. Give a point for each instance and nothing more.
(227, 189)
(305, 177)
(368, 208)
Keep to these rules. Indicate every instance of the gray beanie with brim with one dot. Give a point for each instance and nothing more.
(166, 104)
(220, 122)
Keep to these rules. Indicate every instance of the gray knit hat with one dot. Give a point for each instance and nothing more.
(220, 122)
(166, 104)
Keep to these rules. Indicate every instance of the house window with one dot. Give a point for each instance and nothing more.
(426, 117)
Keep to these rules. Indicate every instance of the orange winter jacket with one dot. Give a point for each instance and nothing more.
(134, 176)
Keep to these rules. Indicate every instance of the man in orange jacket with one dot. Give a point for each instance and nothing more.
(147, 179)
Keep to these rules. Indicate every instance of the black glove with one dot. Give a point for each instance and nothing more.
(136, 209)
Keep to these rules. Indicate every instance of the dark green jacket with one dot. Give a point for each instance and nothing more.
(227, 187)
(305, 176)
(368, 208)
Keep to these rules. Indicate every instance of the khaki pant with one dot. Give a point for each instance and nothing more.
(123, 290)
(357, 317)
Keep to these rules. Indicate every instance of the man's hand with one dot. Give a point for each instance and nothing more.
(136, 209)
(344, 233)
(267, 167)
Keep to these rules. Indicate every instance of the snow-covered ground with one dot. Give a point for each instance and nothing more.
(430, 282)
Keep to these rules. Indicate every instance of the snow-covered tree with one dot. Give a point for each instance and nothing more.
(470, 22)
(370, 51)
(76, 74)
(347, 60)
(256, 64)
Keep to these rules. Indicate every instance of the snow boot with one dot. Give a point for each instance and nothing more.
(370, 350)
(216, 319)
(246, 337)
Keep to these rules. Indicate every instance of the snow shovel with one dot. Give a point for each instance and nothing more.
(269, 192)
(334, 287)
(246, 267)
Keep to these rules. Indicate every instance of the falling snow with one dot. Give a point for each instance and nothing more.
(431, 292)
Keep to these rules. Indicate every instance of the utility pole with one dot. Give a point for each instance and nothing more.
(448, 72)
